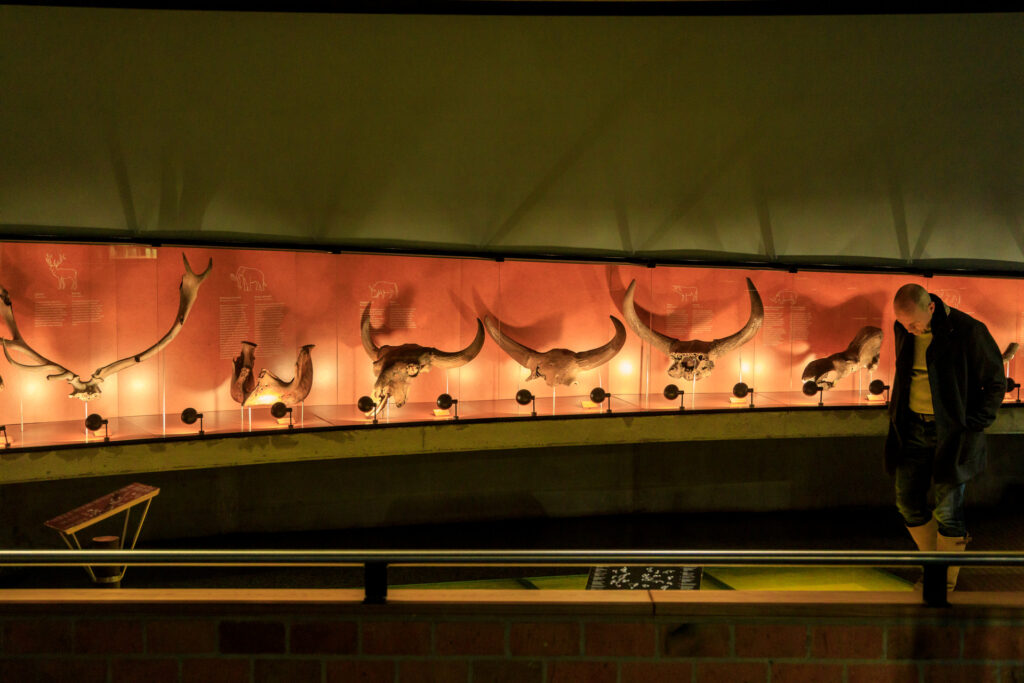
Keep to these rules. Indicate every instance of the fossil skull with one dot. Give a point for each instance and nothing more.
(396, 366)
(694, 359)
(557, 367)
(268, 388)
(862, 352)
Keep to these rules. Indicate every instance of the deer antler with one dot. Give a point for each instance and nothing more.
(89, 389)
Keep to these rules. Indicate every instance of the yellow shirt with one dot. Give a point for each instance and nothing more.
(920, 389)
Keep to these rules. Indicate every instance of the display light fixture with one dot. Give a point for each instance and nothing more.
(190, 415)
(877, 386)
(94, 421)
(1011, 385)
(598, 395)
(3, 428)
(672, 392)
(279, 410)
(811, 388)
(524, 397)
(445, 401)
(365, 405)
(741, 390)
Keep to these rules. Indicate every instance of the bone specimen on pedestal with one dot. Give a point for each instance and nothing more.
(268, 388)
(557, 367)
(694, 359)
(89, 389)
(1010, 351)
(396, 366)
(862, 352)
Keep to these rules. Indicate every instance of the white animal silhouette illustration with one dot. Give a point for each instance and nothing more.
(249, 279)
(384, 290)
(63, 275)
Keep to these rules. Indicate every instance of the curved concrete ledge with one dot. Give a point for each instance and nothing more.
(450, 437)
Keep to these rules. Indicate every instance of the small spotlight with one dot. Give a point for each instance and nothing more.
(811, 388)
(740, 390)
(598, 395)
(279, 410)
(190, 415)
(1011, 385)
(445, 401)
(672, 392)
(366, 404)
(877, 386)
(94, 421)
(524, 397)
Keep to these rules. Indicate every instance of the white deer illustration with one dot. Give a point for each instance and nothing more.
(63, 275)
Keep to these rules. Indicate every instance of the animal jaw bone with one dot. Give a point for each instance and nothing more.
(694, 359)
(557, 366)
(269, 388)
(862, 352)
(88, 389)
(243, 381)
(396, 366)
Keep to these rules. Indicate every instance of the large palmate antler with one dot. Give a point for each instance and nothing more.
(88, 389)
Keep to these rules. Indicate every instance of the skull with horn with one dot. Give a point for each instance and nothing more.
(557, 366)
(396, 366)
(863, 352)
(694, 359)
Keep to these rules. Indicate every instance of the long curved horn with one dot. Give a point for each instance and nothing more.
(364, 330)
(519, 353)
(656, 339)
(720, 347)
(588, 360)
(443, 360)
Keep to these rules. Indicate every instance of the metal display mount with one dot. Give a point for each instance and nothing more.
(672, 392)
(7, 443)
(524, 397)
(1011, 385)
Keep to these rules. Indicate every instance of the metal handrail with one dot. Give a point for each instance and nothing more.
(376, 562)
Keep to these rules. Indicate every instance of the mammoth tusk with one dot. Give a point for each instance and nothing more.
(445, 361)
(657, 340)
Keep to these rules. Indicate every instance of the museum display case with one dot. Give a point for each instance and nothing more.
(318, 332)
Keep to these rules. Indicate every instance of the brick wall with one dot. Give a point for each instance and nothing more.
(498, 643)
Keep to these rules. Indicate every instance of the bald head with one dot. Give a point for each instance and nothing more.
(913, 308)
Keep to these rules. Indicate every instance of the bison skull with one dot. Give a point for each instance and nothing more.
(862, 352)
(694, 359)
(557, 366)
(396, 366)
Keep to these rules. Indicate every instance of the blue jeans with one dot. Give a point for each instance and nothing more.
(914, 479)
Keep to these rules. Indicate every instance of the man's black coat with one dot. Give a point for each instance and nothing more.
(965, 371)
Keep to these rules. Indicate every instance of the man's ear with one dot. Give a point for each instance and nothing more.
(931, 308)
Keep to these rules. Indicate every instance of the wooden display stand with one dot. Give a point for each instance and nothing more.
(82, 517)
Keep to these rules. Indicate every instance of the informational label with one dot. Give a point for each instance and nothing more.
(799, 323)
(85, 311)
(644, 578)
(401, 317)
(48, 313)
(773, 330)
(269, 323)
(234, 326)
(688, 322)
(378, 315)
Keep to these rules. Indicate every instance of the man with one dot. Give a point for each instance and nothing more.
(948, 384)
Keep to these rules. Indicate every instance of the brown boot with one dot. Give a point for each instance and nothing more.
(952, 544)
(924, 535)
